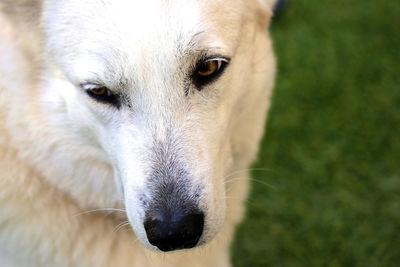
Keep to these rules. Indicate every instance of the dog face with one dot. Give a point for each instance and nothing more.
(158, 86)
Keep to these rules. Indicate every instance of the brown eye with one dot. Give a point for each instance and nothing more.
(209, 67)
(209, 70)
(100, 91)
(102, 94)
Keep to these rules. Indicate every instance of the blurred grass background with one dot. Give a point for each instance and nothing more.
(332, 143)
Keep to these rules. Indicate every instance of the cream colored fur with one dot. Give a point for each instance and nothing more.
(64, 167)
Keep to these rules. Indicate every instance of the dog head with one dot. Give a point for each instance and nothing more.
(161, 88)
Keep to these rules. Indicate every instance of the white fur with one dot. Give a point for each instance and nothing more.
(63, 154)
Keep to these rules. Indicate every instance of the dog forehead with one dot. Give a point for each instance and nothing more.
(148, 22)
(129, 22)
(125, 33)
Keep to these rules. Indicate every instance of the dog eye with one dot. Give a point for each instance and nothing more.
(102, 94)
(102, 91)
(208, 71)
(209, 67)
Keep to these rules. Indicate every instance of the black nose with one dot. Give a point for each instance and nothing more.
(174, 231)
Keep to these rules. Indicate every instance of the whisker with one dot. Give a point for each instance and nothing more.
(252, 180)
(263, 183)
(120, 226)
(247, 170)
(97, 210)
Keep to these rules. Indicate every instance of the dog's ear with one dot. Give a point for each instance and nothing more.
(264, 9)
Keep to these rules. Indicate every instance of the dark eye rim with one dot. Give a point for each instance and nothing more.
(202, 81)
(108, 98)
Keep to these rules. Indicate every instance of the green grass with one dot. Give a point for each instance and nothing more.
(332, 143)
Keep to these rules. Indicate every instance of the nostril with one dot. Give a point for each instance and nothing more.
(174, 232)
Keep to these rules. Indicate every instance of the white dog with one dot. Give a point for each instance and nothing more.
(121, 114)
